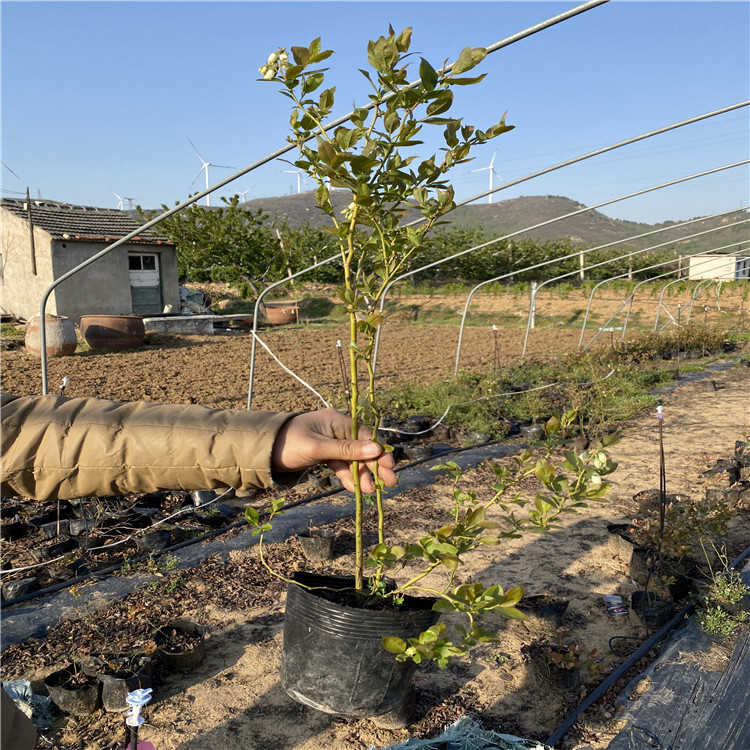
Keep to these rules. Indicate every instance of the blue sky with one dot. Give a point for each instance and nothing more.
(101, 98)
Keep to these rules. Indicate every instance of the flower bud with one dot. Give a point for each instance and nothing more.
(272, 58)
(270, 74)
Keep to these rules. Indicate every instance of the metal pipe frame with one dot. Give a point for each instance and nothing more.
(256, 311)
(640, 283)
(653, 247)
(551, 221)
(280, 152)
(629, 300)
(555, 260)
(696, 293)
(628, 255)
(661, 296)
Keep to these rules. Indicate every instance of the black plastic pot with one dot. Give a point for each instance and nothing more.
(154, 541)
(73, 691)
(532, 431)
(651, 609)
(12, 530)
(547, 608)
(317, 546)
(175, 657)
(333, 657)
(120, 675)
(620, 542)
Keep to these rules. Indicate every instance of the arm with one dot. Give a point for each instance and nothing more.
(55, 447)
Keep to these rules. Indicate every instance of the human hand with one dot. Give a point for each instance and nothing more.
(324, 437)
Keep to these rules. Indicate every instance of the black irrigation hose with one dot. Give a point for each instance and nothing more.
(208, 535)
(605, 685)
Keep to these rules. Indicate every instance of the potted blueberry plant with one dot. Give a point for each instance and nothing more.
(375, 628)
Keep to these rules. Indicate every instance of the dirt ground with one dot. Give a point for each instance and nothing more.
(215, 370)
(234, 699)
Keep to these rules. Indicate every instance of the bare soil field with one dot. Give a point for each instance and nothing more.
(234, 698)
(214, 370)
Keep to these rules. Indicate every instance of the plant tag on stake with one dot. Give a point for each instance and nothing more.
(137, 700)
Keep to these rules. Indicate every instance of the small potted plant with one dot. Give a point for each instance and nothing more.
(361, 623)
(562, 661)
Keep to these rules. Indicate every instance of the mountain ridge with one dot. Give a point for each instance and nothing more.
(523, 216)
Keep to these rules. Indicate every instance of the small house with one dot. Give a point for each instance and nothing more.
(723, 266)
(41, 240)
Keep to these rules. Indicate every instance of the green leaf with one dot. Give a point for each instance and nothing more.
(428, 74)
(326, 152)
(312, 82)
(467, 81)
(442, 103)
(544, 471)
(393, 644)
(301, 55)
(468, 59)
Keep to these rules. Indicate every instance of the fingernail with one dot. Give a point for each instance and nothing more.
(370, 450)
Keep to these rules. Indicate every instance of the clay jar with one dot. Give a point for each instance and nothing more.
(60, 334)
(281, 313)
(115, 332)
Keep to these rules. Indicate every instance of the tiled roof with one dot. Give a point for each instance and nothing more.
(82, 223)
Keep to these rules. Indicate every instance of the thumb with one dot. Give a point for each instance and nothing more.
(351, 450)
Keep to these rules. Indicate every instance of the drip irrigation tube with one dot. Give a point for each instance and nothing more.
(209, 534)
(606, 684)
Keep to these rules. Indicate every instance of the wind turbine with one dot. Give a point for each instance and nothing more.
(492, 171)
(206, 165)
(245, 192)
(298, 172)
(121, 202)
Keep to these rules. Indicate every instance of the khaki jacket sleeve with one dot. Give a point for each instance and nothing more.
(62, 448)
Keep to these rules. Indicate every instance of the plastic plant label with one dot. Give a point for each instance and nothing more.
(615, 605)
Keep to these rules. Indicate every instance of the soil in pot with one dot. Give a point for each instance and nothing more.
(119, 675)
(317, 544)
(181, 644)
(73, 691)
(323, 629)
(559, 676)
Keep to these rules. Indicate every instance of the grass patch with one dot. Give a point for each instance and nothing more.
(606, 387)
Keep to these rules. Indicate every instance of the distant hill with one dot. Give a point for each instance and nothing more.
(590, 229)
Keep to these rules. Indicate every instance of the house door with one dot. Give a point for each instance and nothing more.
(145, 285)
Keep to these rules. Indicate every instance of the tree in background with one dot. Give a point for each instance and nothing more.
(226, 244)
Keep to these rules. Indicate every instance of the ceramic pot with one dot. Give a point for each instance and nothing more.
(60, 333)
(281, 313)
(115, 332)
